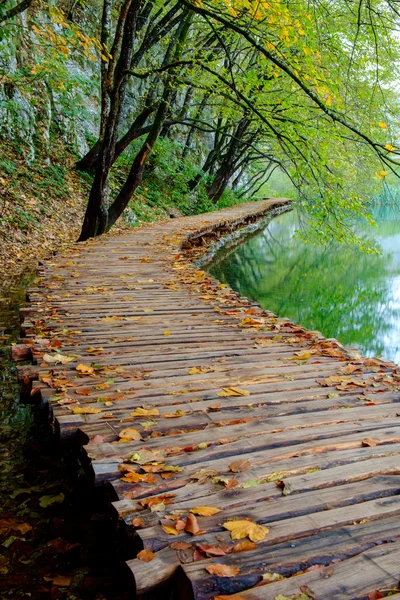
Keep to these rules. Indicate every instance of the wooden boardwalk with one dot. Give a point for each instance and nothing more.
(252, 457)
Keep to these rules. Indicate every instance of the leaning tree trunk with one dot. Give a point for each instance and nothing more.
(95, 220)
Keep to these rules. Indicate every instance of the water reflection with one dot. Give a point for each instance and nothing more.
(339, 290)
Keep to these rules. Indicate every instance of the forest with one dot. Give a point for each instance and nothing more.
(150, 108)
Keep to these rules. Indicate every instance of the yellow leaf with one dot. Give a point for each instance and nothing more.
(390, 148)
(270, 577)
(177, 413)
(85, 369)
(382, 125)
(205, 511)
(130, 434)
(145, 412)
(170, 530)
(167, 332)
(233, 391)
(243, 528)
(85, 410)
(250, 321)
(197, 370)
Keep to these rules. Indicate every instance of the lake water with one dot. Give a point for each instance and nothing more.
(338, 290)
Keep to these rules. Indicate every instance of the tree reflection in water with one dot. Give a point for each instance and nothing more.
(338, 290)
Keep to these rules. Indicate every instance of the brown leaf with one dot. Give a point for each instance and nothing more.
(191, 525)
(149, 502)
(180, 546)
(369, 442)
(223, 570)
(239, 465)
(244, 546)
(83, 392)
(132, 477)
(213, 550)
(146, 555)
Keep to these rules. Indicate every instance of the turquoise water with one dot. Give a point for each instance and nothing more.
(338, 290)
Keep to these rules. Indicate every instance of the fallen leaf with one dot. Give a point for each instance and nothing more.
(84, 410)
(133, 477)
(146, 555)
(244, 546)
(229, 482)
(375, 595)
(233, 391)
(156, 500)
(58, 358)
(239, 465)
(205, 511)
(45, 501)
(167, 332)
(270, 577)
(369, 442)
(85, 369)
(180, 546)
(223, 570)
(170, 530)
(243, 528)
(83, 392)
(214, 550)
(145, 412)
(130, 434)
(178, 413)
(191, 524)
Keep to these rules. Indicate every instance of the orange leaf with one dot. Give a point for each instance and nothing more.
(244, 546)
(85, 369)
(213, 550)
(223, 570)
(146, 555)
(191, 525)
